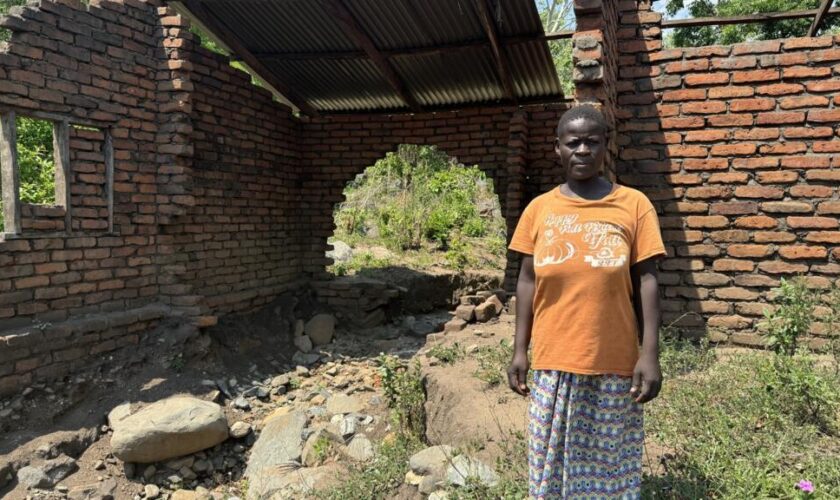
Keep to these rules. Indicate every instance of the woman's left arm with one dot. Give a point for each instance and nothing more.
(647, 376)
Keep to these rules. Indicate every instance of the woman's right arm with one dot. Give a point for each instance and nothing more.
(518, 370)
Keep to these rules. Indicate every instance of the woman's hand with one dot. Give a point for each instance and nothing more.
(647, 378)
(518, 374)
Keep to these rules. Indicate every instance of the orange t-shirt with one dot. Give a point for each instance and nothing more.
(584, 320)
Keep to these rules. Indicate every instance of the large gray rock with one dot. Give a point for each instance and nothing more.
(321, 329)
(431, 459)
(276, 453)
(169, 428)
(47, 474)
(463, 468)
(341, 252)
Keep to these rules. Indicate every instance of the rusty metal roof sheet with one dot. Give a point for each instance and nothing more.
(302, 44)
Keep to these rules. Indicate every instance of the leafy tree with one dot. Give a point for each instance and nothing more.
(558, 15)
(713, 35)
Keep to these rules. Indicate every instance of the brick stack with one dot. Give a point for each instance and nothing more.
(738, 147)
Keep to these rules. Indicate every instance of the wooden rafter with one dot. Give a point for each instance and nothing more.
(822, 12)
(748, 19)
(202, 14)
(355, 32)
(411, 51)
(496, 47)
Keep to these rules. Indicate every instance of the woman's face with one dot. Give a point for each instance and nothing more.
(581, 146)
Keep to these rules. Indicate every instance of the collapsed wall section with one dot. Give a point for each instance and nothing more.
(738, 146)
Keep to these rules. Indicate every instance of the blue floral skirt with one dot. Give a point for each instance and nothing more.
(585, 437)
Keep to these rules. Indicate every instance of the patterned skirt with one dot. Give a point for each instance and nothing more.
(586, 436)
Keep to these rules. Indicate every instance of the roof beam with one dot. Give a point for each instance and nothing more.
(496, 46)
(412, 51)
(822, 12)
(217, 27)
(753, 18)
(355, 32)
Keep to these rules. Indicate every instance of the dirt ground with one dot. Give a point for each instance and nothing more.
(70, 417)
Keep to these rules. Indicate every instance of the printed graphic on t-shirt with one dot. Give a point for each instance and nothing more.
(603, 244)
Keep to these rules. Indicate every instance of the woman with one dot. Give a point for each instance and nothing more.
(587, 292)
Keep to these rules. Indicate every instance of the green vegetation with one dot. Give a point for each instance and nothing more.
(791, 318)
(713, 35)
(418, 201)
(5, 5)
(447, 354)
(752, 425)
(405, 394)
(493, 362)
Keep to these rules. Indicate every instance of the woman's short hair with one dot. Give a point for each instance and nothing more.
(584, 111)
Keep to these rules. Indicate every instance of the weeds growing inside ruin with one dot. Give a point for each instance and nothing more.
(447, 354)
(493, 362)
(404, 391)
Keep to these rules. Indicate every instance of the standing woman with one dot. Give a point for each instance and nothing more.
(587, 294)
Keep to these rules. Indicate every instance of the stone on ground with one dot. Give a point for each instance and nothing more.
(360, 449)
(341, 252)
(454, 325)
(303, 343)
(47, 474)
(298, 483)
(239, 430)
(151, 491)
(484, 312)
(462, 468)
(169, 428)
(277, 452)
(119, 412)
(465, 312)
(321, 329)
(341, 404)
(473, 300)
(498, 306)
(431, 459)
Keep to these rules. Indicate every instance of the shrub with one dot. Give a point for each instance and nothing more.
(405, 394)
(792, 317)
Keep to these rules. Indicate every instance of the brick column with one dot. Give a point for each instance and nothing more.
(514, 195)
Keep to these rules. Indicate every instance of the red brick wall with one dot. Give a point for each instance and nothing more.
(503, 142)
(65, 299)
(240, 241)
(737, 145)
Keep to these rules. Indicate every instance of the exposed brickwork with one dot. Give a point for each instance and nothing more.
(222, 199)
(734, 144)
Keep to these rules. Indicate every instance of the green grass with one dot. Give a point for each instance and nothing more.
(493, 362)
(447, 354)
(733, 435)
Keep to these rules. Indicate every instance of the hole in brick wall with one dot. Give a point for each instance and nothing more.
(418, 208)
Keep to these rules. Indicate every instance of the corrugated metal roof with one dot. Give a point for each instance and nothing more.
(332, 73)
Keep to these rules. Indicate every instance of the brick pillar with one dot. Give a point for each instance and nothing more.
(174, 137)
(595, 56)
(514, 196)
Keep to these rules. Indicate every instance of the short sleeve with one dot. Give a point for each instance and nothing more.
(523, 236)
(647, 242)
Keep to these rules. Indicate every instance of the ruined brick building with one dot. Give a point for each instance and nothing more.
(184, 191)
